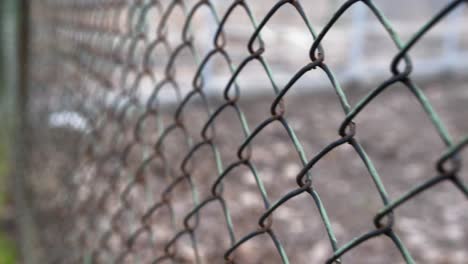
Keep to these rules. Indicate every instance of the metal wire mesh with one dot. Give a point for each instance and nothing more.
(130, 159)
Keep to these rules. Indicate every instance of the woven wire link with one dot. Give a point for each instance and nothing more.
(97, 57)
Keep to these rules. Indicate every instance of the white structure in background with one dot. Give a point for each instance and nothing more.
(70, 120)
(361, 49)
(452, 58)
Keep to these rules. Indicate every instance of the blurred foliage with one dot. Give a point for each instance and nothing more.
(7, 247)
(8, 18)
(4, 158)
(7, 250)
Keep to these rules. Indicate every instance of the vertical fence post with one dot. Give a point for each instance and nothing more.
(358, 33)
(452, 39)
(27, 234)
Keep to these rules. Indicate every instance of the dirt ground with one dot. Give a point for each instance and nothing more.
(394, 131)
(398, 137)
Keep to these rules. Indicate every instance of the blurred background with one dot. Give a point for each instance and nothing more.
(394, 130)
(8, 78)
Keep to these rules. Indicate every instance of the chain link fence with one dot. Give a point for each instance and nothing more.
(130, 158)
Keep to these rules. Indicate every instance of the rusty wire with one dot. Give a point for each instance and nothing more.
(95, 55)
